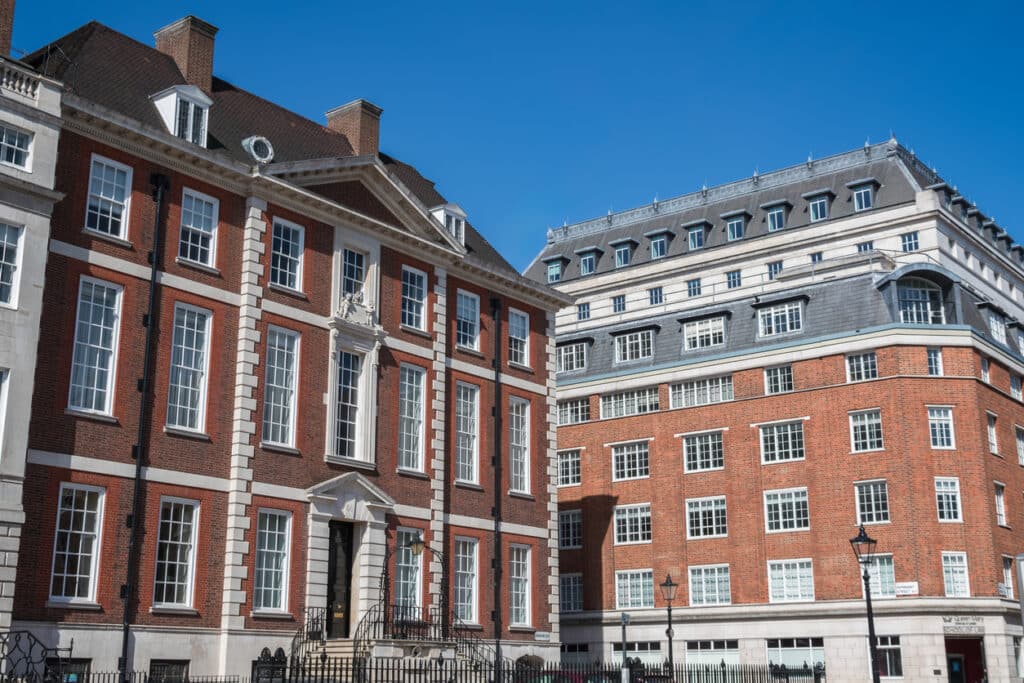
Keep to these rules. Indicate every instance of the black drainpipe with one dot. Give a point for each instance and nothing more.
(496, 461)
(159, 183)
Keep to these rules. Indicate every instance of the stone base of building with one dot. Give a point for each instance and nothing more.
(981, 636)
(10, 542)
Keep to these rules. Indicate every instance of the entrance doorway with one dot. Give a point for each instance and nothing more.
(339, 579)
(965, 660)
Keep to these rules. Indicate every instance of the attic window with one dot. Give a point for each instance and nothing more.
(185, 111)
(456, 226)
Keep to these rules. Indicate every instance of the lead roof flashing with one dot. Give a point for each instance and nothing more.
(870, 180)
(707, 313)
(775, 202)
(657, 232)
(819, 192)
(592, 249)
(758, 302)
(622, 240)
(637, 326)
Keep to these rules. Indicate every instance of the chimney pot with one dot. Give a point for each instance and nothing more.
(6, 26)
(359, 121)
(189, 42)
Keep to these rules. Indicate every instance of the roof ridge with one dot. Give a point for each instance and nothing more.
(279, 107)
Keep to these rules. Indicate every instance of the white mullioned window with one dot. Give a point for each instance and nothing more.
(634, 346)
(997, 326)
(176, 552)
(554, 272)
(864, 247)
(1019, 438)
(872, 502)
(519, 585)
(588, 262)
(733, 279)
(14, 146)
(909, 241)
(703, 452)
(346, 409)
(76, 545)
(709, 585)
(776, 218)
(866, 431)
(693, 287)
(414, 298)
(699, 392)
(947, 499)
(191, 121)
(273, 541)
(95, 348)
(280, 386)
(786, 510)
(701, 334)
(863, 198)
(993, 436)
(861, 366)
(10, 237)
(1015, 386)
(780, 319)
(570, 592)
(635, 402)
(1000, 491)
(659, 247)
(781, 442)
(818, 207)
(882, 575)
(519, 445)
(940, 427)
(110, 190)
(408, 577)
(655, 296)
(573, 411)
(634, 589)
(286, 254)
(467, 320)
(518, 337)
(935, 362)
(198, 239)
(734, 228)
(632, 524)
(466, 582)
(790, 580)
(793, 653)
(954, 575)
(1009, 577)
(570, 529)
(571, 357)
(618, 303)
(353, 271)
(190, 358)
(622, 254)
(411, 413)
(630, 461)
(467, 401)
(706, 517)
(986, 367)
(778, 380)
(695, 237)
(920, 302)
(569, 468)
(774, 268)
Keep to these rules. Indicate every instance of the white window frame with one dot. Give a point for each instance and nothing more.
(570, 586)
(953, 491)
(619, 303)
(909, 241)
(711, 444)
(857, 499)
(576, 352)
(1009, 577)
(797, 562)
(409, 302)
(701, 392)
(875, 580)
(778, 384)
(695, 237)
(937, 420)
(524, 319)
(642, 453)
(702, 506)
(573, 411)
(211, 262)
(363, 415)
(522, 486)
(693, 287)
(14, 267)
(574, 520)
(695, 332)
(702, 572)
(771, 319)
(773, 269)
(416, 464)
(733, 279)
(474, 587)
(189, 134)
(950, 555)
(936, 354)
(640, 341)
(122, 234)
(97, 543)
(861, 367)
(986, 371)
(992, 432)
(465, 299)
(111, 384)
(564, 462)
(1016, 390)
(475, 435)
(776, 218)
(1018, 433)
(201, 407)
(291, 389)
(299, 234)
(859, 194)
(1000, 500)
(868, 416)
(655, 296)
(190, 592)
(659, 247)
(793, 497)
(554, 272)
(639, 600)
(28, 149)
(285, 569)
(588, 263)
(732, 234)
(632, 402)
(791, 427)
(359, 286)
(633, 517)
(583, 311)
(409, 607)
(527, 585)
(817, 208)
(622, 255)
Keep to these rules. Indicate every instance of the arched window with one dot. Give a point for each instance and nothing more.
(920, 302)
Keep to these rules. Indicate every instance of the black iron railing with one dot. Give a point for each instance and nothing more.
(311, 634)
(23, 657)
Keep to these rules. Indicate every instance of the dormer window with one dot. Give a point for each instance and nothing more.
(818, 207)
(863, 198)
(185, 111)
(622, 255)
(587, 263)
(453, 218)
(695, 237)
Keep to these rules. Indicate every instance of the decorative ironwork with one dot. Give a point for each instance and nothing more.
(270, 668)
(24, 658)
(311, 634)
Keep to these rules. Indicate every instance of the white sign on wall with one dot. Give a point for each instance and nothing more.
(906, 588)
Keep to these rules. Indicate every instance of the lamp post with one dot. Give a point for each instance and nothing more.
(668, 591)
(416, 546)
(864, 549)
(624, 620)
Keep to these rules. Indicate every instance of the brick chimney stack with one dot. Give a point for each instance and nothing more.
(359, 121)
(189, 42)
(6, 26)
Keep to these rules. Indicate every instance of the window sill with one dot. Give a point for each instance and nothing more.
(521, 368)
(416, 331)
(415, 474)
(176, 611)
(469, 627)
(521, 629)
(186, 433)
(98, 417)
(119, 241)
(997, 454)
(83, 605)
(520, 494)
(1005, 526)
(202, 267)
(279, 448)
(468, 350)
(287, 290)
(568, 486)
(469, 485)
(271, 614)
(351, 462)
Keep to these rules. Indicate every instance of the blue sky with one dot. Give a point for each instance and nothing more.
(531, 114)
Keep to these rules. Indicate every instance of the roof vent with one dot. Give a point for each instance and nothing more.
(259, 148)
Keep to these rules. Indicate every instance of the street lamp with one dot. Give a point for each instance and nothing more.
(864, 549)
(416, 546)
(668, 591)
(624, 620)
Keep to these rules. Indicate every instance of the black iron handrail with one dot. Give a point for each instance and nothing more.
(311, 634)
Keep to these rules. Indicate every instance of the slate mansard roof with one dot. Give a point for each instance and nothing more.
(895, 173)
(121, 74)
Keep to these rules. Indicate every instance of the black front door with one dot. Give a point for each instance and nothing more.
(339, 580)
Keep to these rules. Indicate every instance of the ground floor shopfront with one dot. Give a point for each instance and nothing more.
(957, 640)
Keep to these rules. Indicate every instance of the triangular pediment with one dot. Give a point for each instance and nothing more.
(351, 485)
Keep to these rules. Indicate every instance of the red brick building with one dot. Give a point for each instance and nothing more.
(751, 372)
(271, 358)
